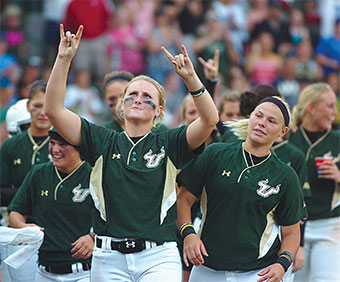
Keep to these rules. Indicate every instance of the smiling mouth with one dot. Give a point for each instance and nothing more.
(259, 132)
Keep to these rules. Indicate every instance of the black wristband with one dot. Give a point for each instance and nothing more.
(285, 262)
(197, 93)
(302, 232)
(187, 231)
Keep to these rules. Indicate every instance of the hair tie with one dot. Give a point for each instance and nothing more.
(281, 106)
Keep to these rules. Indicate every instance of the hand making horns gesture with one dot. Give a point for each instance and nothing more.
(182, 63)
(69, 42)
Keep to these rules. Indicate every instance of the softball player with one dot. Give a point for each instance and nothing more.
(313, 114)
(248, 196)
(133, 176)
(57, 196)
(17, 156)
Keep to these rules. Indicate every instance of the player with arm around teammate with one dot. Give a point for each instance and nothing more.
(133, 170)
(56, 195)
(248, 197)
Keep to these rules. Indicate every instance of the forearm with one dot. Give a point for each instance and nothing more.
(290, 239)
(184, 202)
(56, 88)
(17, 220)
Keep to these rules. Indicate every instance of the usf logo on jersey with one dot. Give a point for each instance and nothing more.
(153, 160)
(266, 190)
(79, 194)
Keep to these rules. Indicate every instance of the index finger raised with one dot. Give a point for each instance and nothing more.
(167, 53)
(217, 57)
(61, 31)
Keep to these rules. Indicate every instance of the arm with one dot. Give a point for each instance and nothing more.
(193, 247)
(290, 243)
(17, 220)
(66, 122)
(200, 129)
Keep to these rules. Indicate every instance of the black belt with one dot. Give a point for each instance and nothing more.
(64, 269)
(127, 246)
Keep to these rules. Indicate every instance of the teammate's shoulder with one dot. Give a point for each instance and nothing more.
(335, 133)
(18, 138)
(221, 147)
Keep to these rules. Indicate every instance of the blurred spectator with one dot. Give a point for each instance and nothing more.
(307, 69)
(32, 69)
(313, 19)
(238, 79)
(229, 106)
(264, 66)
(297, 27)
(143, 20)
(328, 51)
(165, 33)
(275, 26)
(329, 12)
(9, 68)
(214, 36)
(287, 83)
(124, 50)
(94, 15)
(83, 99)
(12, 27)
(191, 14)
(258, 13)
(232, 15)
(333, 79)
(53, 13)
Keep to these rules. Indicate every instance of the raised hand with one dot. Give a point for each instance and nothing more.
(181, 62)
(69, 42)
(211, 66)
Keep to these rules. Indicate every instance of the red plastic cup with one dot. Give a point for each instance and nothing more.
(319, 161)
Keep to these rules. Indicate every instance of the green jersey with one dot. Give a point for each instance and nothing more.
(294, 157)
(115, 125)
(133, 184)
(63, 206)
(243, 205)
(17, 155)
(325, 200)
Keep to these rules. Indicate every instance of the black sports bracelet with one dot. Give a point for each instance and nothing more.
(197, 93)
(187, 231)
(284, 262)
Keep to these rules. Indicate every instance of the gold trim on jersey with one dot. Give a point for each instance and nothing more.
(204, 207)
(61, 180)
(36, 146)
(269, 234)
(248, 167)
(133, 145)
(96, 188)
(311, 146)
(169, 193)
(336, 196)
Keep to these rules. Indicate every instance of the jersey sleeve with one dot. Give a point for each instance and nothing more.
(193, 175)
(22, 201)
(92, 139)
(292, 207)
(179, 150)
(5, 165)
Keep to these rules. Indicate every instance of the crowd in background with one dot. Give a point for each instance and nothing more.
(285, 43)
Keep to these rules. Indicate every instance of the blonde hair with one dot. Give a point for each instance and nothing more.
(229, 96)
(310, 95)
(184, 104)
(160, 91)
(240, 127)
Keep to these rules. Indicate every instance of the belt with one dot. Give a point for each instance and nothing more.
(129, 246)
(66, 269)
